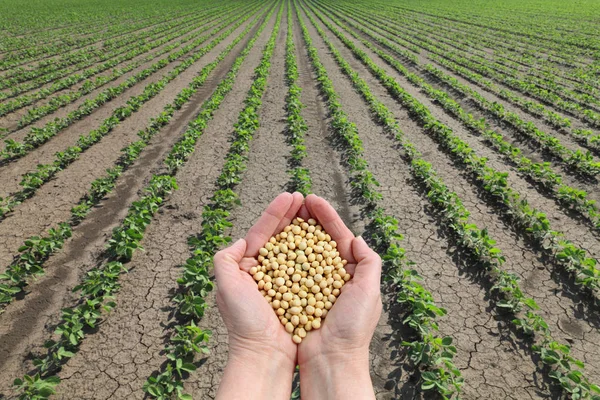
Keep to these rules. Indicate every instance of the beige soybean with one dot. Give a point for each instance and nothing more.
(300, 274)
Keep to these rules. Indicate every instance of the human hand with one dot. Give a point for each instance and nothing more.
(262, 356)
(334, 360)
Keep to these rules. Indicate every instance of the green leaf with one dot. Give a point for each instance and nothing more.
(46, 392)
(447, 341)
(188, 367)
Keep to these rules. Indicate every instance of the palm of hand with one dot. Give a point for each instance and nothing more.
(250, 320)
(348, 326)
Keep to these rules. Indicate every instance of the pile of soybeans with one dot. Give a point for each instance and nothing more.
(300, 273)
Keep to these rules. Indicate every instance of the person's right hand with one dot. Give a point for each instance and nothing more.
(334, 360)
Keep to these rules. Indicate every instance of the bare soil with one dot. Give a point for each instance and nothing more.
(114, 360)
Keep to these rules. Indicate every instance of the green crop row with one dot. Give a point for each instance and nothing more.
(26, 80)
(38, 136)
(577, 104)
(126, 36)
(296, 125)
(100, 284)
(571, 257)
(535, 223)
(36, 250)
(481, 245)
(434, 354)
(89, 85)
(32, 181)
(540, 173)
(194, 284)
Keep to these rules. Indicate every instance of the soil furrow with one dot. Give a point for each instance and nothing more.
(443, 269)
(10, 121)
(152, 274)
(53, 202)
(264, 179)
(122, 364)
(561, 305)
(69, 135)
(575, 230)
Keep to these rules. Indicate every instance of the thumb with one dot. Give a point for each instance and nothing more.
(368, 263)
(226, 261)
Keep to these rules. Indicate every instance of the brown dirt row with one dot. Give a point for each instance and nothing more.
(31, 64)
(577, 121)
(531, 152)
(575, 230)
(579, 325)
(40, 310)
(483, 51)
(123, 364)
(10, 121)
(264, 179)
(89, 29)
(52, 203)
(387, 366)
(492, 30)
(544, 126)
(469, 322)
(13, 171)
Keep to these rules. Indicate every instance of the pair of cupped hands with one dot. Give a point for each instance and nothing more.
(333, 360)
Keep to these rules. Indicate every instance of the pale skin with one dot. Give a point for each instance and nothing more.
(333, 360)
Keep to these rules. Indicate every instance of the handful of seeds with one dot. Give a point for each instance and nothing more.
(300, 275)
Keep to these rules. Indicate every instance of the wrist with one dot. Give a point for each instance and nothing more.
(255, 374)
(337, 375)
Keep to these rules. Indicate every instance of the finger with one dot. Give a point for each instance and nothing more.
(368, 264)
(226, 262)
(323, 212)
(303, 213)
(264, 228)
(247, 263)
(292, 212)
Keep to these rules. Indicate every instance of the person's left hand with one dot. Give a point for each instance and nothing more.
(255, 332)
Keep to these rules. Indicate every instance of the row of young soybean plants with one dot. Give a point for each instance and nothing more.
(76, 34)
(534, 69)
(99, 42)
(36, 250)
(88, 79)
(534, 222)
(561, 366)
(586, 137)
(99, 285)
(526, 31)
(580, 105)
(26, 80)
(440, 54)
(32, 181)
(300, 180)
(40, 135)
(431, 354)
(61, 100)
(582, 164)
(48, 36)
(542, 175)
(194, 284)
(576, 104)
(537, 69)
(570, 62)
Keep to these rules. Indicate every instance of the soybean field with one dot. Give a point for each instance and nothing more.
(460, 139)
